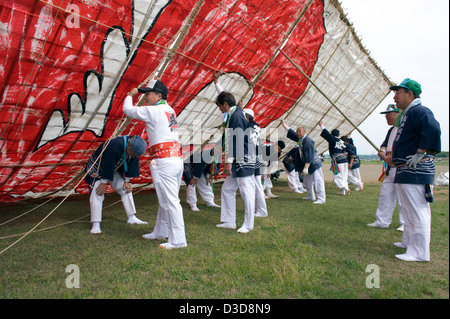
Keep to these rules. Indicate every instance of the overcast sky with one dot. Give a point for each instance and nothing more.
(408, 39)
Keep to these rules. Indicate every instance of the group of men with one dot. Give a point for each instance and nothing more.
(408, 152)
(306, 162)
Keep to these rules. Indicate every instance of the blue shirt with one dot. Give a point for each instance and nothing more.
(336, 147)
(418, 130)
(111, 160)
(237, 145)
(351, 151)
(308, 152)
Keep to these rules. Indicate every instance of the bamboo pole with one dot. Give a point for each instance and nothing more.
(329, 100)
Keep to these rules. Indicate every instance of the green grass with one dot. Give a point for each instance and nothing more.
(300, 251)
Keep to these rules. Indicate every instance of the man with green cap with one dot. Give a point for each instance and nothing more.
(417, 141)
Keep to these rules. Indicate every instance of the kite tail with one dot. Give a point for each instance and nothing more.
(383, 173)
(334, 168)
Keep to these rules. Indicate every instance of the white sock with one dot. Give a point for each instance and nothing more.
(95, 228)
(152, 236)
(194, 208)
(132, 219)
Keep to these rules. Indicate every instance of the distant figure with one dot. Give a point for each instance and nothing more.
(270, 164)
(354, 176)
(312, 164)
(339, 164)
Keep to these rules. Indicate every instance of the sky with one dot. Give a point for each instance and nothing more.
(407, 39)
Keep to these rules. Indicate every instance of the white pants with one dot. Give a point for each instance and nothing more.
(166, 174)
(293, 180)
(267, 182)
(246, 187)
(204, 189)
(417, 215)
(260, 198)
(315, 181)
(387, 200)
(354, 178)
(96, 202)
(341, 179)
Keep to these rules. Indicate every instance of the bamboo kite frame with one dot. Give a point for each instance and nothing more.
(328, 99)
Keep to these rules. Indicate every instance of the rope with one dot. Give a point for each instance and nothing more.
(27, 212)
(62, 201)
(58, 225)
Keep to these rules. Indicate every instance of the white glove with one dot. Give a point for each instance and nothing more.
(305, 171)
(413, 160)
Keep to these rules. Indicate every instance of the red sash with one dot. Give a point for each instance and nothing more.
(164, 150)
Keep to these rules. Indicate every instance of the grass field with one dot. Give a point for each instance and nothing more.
(301, 251)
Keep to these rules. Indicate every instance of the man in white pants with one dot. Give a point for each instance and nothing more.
(166, 165)
(311, 164)
(354, 176)
(255, 140)
(336, 148)
(114, 162)
(197, 175)
(239, 166)
(388, 191)
(417, 141)
(292, 175)
(270, 164)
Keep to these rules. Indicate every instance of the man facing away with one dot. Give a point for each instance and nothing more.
(255, 140)
(354, 176)
(337, 148)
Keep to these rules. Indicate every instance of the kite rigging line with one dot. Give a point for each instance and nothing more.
(57, 206)
(58, 225)
(286, 38)
(29, 211)
(64, 199)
